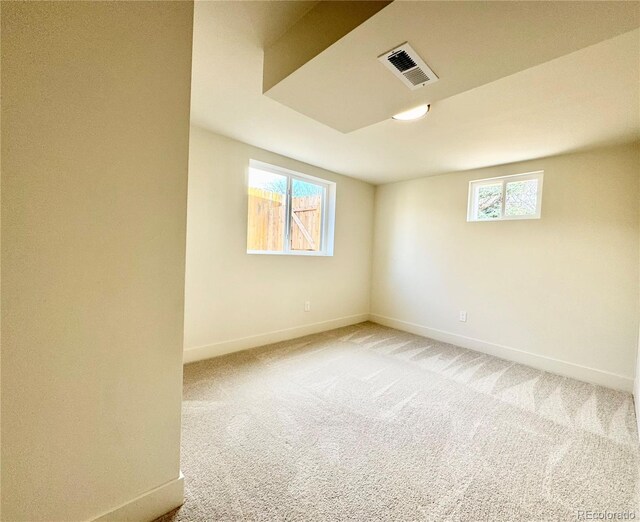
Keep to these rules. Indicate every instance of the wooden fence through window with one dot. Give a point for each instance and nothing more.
(267, 221)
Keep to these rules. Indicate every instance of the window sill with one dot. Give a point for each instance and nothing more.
(274, 253)
(504, 218)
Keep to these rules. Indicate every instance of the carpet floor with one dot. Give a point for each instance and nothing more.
(370, 423)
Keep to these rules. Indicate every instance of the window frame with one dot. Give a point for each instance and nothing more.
(328, 210)
(474, 185)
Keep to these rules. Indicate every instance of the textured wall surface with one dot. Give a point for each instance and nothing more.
(563, 287)
(231, 294)
(95, 113)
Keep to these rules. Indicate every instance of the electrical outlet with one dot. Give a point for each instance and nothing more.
(463, 316)
(307, 306)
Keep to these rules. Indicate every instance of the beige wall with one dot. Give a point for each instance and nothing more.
(230, 295)
(0, 272)
(95, 110)
(562, 288)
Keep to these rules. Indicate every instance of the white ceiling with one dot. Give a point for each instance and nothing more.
(468, 44)
(587, 98)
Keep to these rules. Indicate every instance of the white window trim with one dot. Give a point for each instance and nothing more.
(503, 180)
(328, 211)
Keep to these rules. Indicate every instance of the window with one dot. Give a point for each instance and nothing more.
(288, 212)
(508, 197)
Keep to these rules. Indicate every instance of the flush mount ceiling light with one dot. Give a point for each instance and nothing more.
(412, 114)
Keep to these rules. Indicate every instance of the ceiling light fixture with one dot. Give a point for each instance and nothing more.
(412, 114)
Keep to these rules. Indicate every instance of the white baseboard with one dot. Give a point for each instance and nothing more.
(244, 343)
(636, 397)
(541, 362)
(150, 505)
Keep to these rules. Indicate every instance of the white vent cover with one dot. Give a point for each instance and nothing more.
(405, 63)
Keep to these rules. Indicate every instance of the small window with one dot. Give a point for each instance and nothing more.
(508, 197)
(289, 212)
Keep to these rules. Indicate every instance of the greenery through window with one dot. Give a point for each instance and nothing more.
(504, 198)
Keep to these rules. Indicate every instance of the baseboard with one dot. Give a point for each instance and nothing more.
(636, 397)
(636, 403)
(541, 362)
(244, 343)
(150, 505)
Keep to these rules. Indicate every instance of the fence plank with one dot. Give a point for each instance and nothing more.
(308, 210)
(266, 220)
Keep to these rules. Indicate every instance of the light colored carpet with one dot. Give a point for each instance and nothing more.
(369, 423)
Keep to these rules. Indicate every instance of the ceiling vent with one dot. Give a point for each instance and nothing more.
(405, 64)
